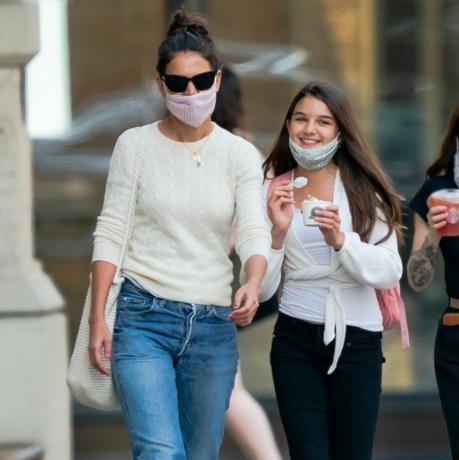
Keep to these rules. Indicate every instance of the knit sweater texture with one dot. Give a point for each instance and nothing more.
(178, 248)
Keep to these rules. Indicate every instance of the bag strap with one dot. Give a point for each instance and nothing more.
(391, 299)
(403, 322)
(275, 181)
(139, 154)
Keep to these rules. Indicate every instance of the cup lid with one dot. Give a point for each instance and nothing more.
(449, 194)
(316, 201)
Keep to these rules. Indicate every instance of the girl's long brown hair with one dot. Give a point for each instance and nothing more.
(367, 186)
(444, 163)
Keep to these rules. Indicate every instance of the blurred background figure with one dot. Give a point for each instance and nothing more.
(229, 110)
(436, 227)
(246, 421)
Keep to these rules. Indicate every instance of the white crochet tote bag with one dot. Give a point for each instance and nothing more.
(88, 385)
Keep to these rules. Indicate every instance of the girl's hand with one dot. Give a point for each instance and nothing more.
(245, 304)
(329, 224)
(280, 211)
(100, 342)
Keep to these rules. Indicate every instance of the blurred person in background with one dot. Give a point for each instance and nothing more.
(429, 219)
(326, 354)
(246, 421)
(174, 352)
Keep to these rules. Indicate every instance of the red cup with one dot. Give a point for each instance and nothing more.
(448, 197)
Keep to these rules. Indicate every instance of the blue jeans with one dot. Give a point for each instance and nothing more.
(173, 367)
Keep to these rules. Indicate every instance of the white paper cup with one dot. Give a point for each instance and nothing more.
(308, 209)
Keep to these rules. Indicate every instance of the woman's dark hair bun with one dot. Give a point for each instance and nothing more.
(187, 32)
(182, 22)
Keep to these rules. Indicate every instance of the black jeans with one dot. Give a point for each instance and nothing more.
(326, 417)
(447, 373)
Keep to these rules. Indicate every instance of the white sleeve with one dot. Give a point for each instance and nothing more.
(375, 265)
(252, 233)
(112, 221)
(272, 278)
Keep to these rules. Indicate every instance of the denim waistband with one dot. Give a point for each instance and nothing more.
(131, 286)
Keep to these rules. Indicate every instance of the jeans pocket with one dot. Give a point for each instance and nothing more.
(363, 340)
(133, 303)
(222, 313)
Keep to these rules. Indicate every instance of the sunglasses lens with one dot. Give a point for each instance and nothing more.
(204, 80)
(176, 83)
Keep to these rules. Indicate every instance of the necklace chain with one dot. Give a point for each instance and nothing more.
(196, 153)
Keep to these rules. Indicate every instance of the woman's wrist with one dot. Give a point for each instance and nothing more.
(255, 283)
(278, 237)
(255, 269)
(433, 236)
(96, 318)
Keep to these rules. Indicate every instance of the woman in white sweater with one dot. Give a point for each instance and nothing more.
(326, 353)
(174, 350)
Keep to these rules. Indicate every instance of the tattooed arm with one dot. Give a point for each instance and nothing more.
(421, 264)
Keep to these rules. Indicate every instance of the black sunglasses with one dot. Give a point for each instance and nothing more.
(178, 84)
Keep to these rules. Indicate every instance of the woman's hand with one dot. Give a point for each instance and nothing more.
(245, 303)
(329, 224)
(280, 211)
(436, 219)
(100, 342)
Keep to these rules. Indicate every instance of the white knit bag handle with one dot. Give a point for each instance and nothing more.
(88, 385)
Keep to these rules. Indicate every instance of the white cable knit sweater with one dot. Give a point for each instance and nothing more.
(178, 249)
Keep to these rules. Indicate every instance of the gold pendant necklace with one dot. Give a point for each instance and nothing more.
(196, 151)
(196, 154)
(196, 158)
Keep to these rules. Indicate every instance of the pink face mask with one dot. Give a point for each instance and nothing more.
(194, 109)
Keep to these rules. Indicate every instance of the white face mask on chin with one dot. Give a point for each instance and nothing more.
(193, 109)
(314, 158)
